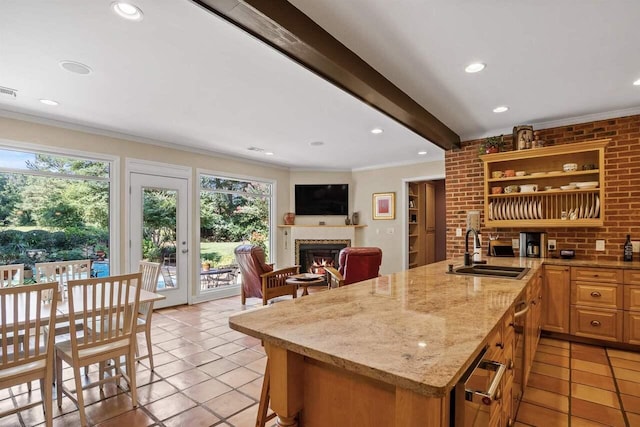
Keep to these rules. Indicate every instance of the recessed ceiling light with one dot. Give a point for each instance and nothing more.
(75, 67)
(49, 102)
(376, 131)
(475, 67)
(422, 153)
(127, 10)
(636, 83)
(316, 143)
(500, 109)
(268, 153)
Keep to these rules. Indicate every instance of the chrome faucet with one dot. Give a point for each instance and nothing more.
(467, 256)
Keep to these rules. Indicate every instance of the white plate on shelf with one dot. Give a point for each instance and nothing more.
(531, 214)
(525, 210)
(496, 213)
(539, 208)
(595, 215)
(490, 211)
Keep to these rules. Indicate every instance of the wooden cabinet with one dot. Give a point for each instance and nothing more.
(421, 237)
(556, 298)
(631, 314)
(597, 302)
(543, 167)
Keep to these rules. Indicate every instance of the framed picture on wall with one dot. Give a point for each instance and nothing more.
(384, 205)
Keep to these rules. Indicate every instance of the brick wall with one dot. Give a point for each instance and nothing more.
(464, 178)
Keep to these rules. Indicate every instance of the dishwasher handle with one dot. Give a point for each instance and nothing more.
(492, 393)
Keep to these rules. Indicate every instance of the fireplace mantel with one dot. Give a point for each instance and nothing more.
(291, 233)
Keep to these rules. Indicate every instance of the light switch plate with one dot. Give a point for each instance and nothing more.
(636, 246)
(515, 243)
(551, 244)
(600, 245)
(458, 232)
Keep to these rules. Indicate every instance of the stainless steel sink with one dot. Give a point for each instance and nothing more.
(483, 270)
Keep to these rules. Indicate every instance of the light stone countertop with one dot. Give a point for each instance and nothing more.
(418, 329)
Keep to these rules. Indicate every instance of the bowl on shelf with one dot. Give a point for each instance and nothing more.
(568, 187)
(588, 167)
(509, 173)
(520, 173)
(529, 188)
(588, 184)
(570, 167)
(511, 189)
(496, 190)
(497, 174)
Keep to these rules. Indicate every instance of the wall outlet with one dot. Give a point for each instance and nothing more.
(636, 246)
(458, 232)
(600, 245)
(515, 243)
(551, 244)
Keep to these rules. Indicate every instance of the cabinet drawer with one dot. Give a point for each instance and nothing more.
(597, 295)
(594, 323)
(600, 275)
(631, 327)
(495, 342)
(632, 277)
(632, 297)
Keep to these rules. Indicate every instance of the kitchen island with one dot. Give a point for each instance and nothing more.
(383, 352)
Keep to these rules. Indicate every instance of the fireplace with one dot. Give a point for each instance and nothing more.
(313, 255)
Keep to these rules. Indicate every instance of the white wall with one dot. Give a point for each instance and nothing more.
(386, 180)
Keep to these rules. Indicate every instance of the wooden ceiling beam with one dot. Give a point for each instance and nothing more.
(284, 27)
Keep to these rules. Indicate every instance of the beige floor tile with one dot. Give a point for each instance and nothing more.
(173, 368)
(252, 389)
(155, 391)
(134, 417)
(194, 417)
(630, 403)
(186, 350)
(258, 365)
(170, 406)
(244, 357)
(538, 416)
(187, 379)
(626, 374)
(71, 419)
(550, 370)
(598, 413)
(229, 403)
(238, 377)
(552, 359)
(595, 395)
(587, 378)
(595, 368)
(109, 408)
(206, 391)
(218, 367)
(227, 349)
(201, 358)
(245, 418)
(546, 399)
(552, 384)
(590, 356)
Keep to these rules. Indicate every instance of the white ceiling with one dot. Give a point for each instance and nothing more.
(183, 76)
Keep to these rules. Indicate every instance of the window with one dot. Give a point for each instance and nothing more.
(232, 212)
(54, 208)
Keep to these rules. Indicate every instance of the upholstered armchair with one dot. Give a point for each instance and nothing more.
(259, 279)
(355, 265)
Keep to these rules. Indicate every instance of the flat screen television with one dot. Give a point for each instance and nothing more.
(322, 199)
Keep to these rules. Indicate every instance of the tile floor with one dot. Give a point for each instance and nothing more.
(581, 385)
(209, 375)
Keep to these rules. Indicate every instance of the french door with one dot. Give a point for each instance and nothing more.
(159, 232)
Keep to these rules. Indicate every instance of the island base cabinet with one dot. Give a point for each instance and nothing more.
(632, 327)
(310, 393)
(597, 323)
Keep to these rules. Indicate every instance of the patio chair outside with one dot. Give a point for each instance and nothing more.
(12, 274)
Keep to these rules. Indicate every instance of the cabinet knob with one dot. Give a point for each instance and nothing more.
(596, 294)
(510, 364)
(499, 344)
(595, 323)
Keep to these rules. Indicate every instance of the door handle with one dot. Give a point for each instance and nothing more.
(184, 251)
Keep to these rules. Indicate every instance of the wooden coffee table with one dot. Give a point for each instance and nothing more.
(306, 280)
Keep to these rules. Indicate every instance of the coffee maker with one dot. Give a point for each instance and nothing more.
(533, 244)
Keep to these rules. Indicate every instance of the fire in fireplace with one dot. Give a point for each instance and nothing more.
(314, 255)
